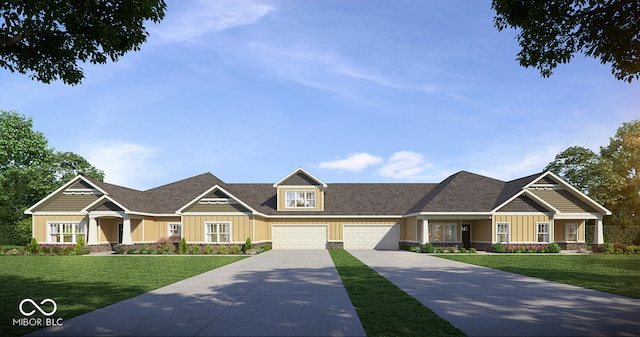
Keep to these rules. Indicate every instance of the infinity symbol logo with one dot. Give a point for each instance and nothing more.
(55, 307)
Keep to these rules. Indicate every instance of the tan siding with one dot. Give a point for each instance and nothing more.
(193, 226)
(408, 229)
(136, 230)
(523, 227)
(480, 230)
(109, 229)
(68, 203)
(40, 224)
(262, 230)
(561, 229)
(564, 201)
(156, 228)
(282, 197)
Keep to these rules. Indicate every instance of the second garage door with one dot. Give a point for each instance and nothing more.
(299, 236)
(384, 237)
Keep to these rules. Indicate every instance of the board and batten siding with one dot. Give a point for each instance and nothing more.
(40, 224)
(193, 226)
(564, 201)
(156, 228)
(523, 228)
(282, 195)
(560, 232)
(480, 230)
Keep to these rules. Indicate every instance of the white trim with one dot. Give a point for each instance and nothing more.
(180, 211)
(101, 200)
(74, 224)
(58, 213)
(169, 224)
(444, 229)
(304, 199)
(566, 232)
(215, 213)
(508, 231)
(296, 171)
(206, 223)
(548, 223)
(62, 188)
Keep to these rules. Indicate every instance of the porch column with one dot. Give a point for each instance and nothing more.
(126, 230)
(425, 231)
(92, 236)
(598, 233)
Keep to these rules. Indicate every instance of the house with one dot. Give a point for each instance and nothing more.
(302, 212)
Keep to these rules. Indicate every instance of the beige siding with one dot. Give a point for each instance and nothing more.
(40, 224)
(409, 229)
(156, 228)
(68, 203)
(109, 229)
(212, 208)
(480, 230)
(193, 226)
(282, 197)
(564, 201)
(136, 230)
(522, 227)
(561, 230)
(262, 230)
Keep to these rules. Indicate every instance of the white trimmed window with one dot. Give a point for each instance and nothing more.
(502, 232)
(572, 232)
(174, 230)
(543, 231)
(442, 232)
(300, 199)
(217, 232)
(67, 232)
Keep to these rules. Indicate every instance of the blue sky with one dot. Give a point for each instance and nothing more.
(352, 91)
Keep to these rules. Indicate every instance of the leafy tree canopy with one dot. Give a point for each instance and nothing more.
(29, 168)
(49, 38)
(551, 32)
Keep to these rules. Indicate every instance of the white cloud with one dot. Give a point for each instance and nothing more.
(521, 166)
(404, 165)
(355, 162)
(210, 16)
(124, 164)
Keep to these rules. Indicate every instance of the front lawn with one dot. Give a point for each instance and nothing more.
(616, 274)
(383, 308)
(80, 284)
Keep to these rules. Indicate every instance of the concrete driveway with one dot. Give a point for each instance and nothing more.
(486, 302)
(277, 293)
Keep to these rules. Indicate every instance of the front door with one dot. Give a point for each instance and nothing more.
(466, 236)
(120, 229)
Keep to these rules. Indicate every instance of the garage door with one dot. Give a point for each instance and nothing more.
(384, 237)
(299, 237)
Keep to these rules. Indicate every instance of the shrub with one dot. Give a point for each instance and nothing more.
(428, 248)
(248, 245)
(165, 246)
(451, 250)
(633, 249)
(472, 250)
(263, 249)
(440, 250)
(119, 249)
(132, 251)
(194, 250)
(235, 249)
(79, 245)
(462, 250)
(33, 246)
(553, 248)
(415, 249)
(498, 248)
(146, 249)
(406, 247)
(182, 247)
(208, 249)
(607, 248)
(222, 250)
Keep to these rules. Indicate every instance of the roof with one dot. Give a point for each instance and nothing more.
(462, 192)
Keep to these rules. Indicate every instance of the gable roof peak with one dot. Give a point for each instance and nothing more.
(303, 175)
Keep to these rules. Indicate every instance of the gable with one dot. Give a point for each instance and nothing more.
(106, 206)
(562, 200)
(73, 198)
(523, 204)
(216, 201)
(299, 179)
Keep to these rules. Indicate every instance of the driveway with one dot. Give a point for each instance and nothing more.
(277, 293)
(486, 302)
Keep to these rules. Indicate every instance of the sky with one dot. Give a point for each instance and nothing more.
(351, 91)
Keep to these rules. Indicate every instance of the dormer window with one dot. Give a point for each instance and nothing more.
(300, 199)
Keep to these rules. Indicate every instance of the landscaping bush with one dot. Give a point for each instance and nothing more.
(208, 249)
(451, 250)
(194, 250)
(607, 248)
(498, 248)
(462, 250)
(182, 247)
(33, 246)
(222, 250)
(235, 249)
(406, 247)
(165, 246)
(472, 250)
(248, 245)
(119, 249)
(263, 249)
(633, 249)
(428, 248)
(553, 248)
(440, 250)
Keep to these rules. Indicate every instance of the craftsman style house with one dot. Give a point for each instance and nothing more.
(302, 212)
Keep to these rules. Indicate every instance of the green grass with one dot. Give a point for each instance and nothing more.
(80, 284)
(383, 308)
(616, 274)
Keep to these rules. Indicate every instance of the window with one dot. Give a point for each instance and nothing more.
(67, 232)
(543, 232)
(217, 232)
(572, 232)
(502, 232)
(300, 199)
(175, 229)
(442, 232)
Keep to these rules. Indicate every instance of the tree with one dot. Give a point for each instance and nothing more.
(50, 38)
(578, 166)
(30, 169)
(551, 32)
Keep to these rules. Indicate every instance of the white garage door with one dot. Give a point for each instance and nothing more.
(385, 237)
(299, 237)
